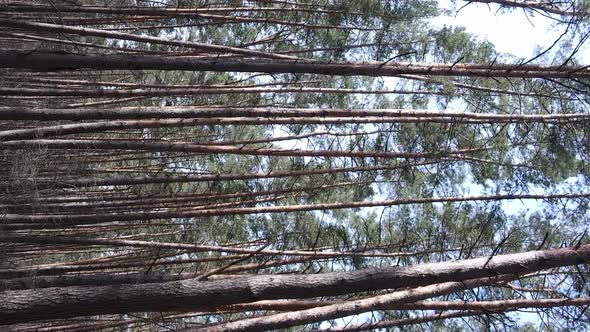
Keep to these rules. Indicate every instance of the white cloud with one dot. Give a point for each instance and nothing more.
(511, 32)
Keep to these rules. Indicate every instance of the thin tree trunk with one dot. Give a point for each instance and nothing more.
(38, 239)
(545, 7)
(385, 324)
(163, 146)
(343, 309)
(472, 309)
(102, 126)
(147, 112)
(56, 28)
(53, 221)
(195, 91)
(158, 11)
(496, 305)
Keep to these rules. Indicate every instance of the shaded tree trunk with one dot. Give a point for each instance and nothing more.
(30, 305)
(52, 61)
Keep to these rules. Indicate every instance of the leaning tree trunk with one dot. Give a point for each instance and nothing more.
(54, 303)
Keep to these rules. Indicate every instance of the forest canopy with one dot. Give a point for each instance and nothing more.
(318, 165)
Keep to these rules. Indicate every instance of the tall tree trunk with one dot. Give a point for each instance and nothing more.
(53, 61)
(47, 303)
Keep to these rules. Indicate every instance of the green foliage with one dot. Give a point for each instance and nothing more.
(498, 158)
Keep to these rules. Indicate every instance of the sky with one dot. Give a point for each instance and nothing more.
(516, 32)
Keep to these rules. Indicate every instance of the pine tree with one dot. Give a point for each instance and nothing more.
(258, 165)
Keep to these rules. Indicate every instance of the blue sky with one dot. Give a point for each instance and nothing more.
(514, 33)
(511, 32)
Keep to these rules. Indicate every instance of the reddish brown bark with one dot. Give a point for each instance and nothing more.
(56, 28)
(29, 305)
(49, 61)
(48, 221)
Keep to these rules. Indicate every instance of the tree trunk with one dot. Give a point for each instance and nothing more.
(53, 221)
(52, 61)
(48, 303)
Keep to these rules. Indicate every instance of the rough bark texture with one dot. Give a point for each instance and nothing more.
(338, 310)
(51, 61)
(147, 112)
(30, 305)
(36, 282)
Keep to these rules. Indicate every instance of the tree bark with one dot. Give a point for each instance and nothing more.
(343, 309)
(129, 180)
(194, 91)
(496, 305)
(102, 126)
(39, 239)
(147, 112)
(471, 309)
(157, 11)
(56, 28)
(53, 61)
(164, 146)
(53, 303)
(53, 221)
(533, 6)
